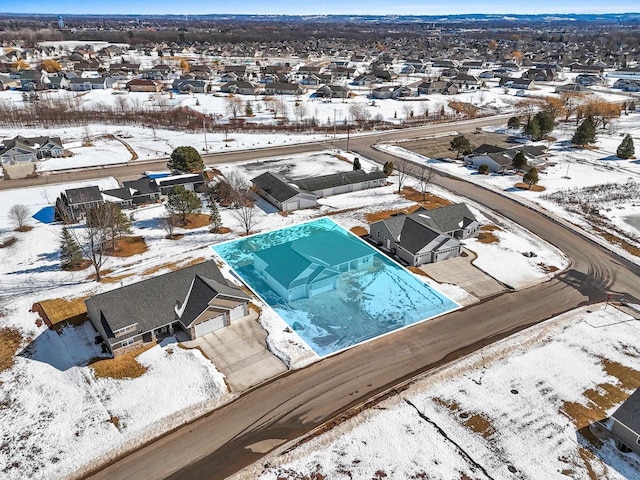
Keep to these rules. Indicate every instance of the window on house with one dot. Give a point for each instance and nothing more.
(127, 342)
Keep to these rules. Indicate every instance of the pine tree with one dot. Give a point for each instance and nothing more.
(183, 202)
(248, 109)
(388, 168)
(531, 177)
(356, 164)
(626, 149)
(519, 161)
(70, 252)
(214, 217)
(585, 133)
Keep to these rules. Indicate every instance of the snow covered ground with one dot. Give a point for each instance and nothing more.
(511, 410)
(567, 168)
(59, 416)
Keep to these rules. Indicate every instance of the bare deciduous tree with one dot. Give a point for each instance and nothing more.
(360, 112)
(234, 105)
(245, 215)
(403, 167)
(169, 224)
(424, 175)
(19, 214)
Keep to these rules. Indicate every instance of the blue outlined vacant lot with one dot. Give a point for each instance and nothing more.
(330, 287)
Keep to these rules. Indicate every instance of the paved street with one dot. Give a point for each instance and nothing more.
(224, 441)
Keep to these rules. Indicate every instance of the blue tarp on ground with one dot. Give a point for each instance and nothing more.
(45, 215)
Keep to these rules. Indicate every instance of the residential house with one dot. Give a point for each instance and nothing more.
(633, 71)
(426, 236)
(313, 264)
(539, 74)
(280, 193)
(143, 190)
(497, 162)
(239, 88)
(29, 149)
(189, 86)
(580, 68)
(627, 85)
(437, 86)
(58, 82)
(85, 84)
(392, 91)
(364, 80)
(73, 203)
(283, 89)
(196, 299)
(332, 91)
(144, 85)
(343, 182)
(571, 88)
(311, 80)
(517, 83)
(626, 424)
(462, 80)
(157, 72)
(190, 181)
(7, 82)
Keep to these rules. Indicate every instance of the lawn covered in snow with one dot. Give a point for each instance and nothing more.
(570, 170)
(509, 410)
(50, 394)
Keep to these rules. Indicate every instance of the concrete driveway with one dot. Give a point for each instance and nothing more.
(240, 352)
(460, 271)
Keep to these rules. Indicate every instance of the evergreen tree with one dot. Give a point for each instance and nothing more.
(532, 129)
(514, 122)
(186, 159)
(70, 252)
(248, 109)
(214, 217)
(626, 149)
(388, 168)
(183, 202)
(519, 161)
(585, 133)
(545, 121)
(356, 164)
(483, 169)
(460, 144)
(531, 177)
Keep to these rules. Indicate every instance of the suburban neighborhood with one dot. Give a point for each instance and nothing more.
(270, 242)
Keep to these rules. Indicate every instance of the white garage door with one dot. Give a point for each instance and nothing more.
(210, 325)
(237, 312)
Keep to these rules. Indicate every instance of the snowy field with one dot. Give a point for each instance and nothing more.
(50, 393)
(568, 168)
(511, 410)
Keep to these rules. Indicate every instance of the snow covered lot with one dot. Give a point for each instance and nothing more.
(571, 170)
(512, 410)
(60, 416)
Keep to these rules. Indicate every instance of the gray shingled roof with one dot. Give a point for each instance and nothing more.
(445, 219)
(202, 292)
(336, 179)
(77, 196)
(415, 236)
(142, 186)
(150, 303)
(276, 186)
(629, 412)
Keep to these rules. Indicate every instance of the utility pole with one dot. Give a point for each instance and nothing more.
(204, 127)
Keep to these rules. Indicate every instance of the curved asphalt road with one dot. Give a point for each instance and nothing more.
(218, 445)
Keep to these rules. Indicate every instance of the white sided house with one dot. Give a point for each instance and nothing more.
(626, 424)
(426, 236)
(195, 300)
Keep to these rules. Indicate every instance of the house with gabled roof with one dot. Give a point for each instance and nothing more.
(196, 299)
(29, 149)
(282, 194)
(425, 236)
(626, 424)
(308, 266)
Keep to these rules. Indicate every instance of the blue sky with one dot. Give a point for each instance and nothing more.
(371, 7)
